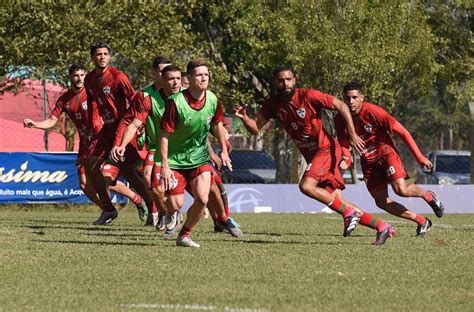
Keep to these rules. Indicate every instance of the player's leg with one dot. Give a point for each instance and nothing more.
(92, 165)
(397, 174)
(174, 202)
(383, 201)
(200, 184)
(159, 198)
(138, 184)
(220, 211)
(321, 178)
(86, 186)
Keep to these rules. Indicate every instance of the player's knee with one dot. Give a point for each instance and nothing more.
(201, 200)
(401, 190)
(305, 187)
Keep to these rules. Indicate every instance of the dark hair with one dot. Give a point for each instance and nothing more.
(184, 74)
(170, 68)
(160, 59)
(98, 45)
(353, 85)
(193, 64)
(279, 69)
(76, 66)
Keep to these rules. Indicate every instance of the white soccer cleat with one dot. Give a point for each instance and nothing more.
(186, 242)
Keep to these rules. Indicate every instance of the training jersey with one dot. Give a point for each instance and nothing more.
(373, 125)
(301, 118)
(82, 114)
(188, 121)
(111, 92)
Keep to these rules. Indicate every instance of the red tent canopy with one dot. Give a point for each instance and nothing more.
(28, 103)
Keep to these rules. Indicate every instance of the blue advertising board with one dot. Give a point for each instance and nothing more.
(41, 178)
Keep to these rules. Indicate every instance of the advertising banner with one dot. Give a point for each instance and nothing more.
(41, 178)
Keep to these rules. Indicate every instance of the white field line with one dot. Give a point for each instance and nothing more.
(201, 307)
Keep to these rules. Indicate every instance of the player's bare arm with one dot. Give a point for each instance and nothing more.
(166, 175)
(218, 129)
(117, 152)
(253, 125)
(355, 140)
(45, 124)
(214, 157)
(406, 137)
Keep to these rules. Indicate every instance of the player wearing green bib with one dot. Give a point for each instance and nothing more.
(147, 108)
(185, 157)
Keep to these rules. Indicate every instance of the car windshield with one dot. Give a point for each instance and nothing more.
(251, 160)
(453, 164)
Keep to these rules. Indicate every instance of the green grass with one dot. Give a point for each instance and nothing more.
(55, 260)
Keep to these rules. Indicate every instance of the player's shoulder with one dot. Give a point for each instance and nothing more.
(374, 109)
(66, 96)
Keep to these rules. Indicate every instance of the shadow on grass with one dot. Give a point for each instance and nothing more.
(94, 243)
(82, 228)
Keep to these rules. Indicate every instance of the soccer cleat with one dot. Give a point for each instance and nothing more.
(436, 205)
(230, 227)
(383, 235)
(142, 210)
(152, 219)
(160, 224)
(172, 233)
(170, 220)
(106, 217)
(350, 223)
(423, 228)
(186, 242)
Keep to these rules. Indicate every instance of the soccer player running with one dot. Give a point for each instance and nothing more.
(110, 90)
(185, 157)
(381, 163)
(299, 112)
(74, 103)
(147, 108)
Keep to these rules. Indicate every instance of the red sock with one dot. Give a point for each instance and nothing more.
(372, 222)
(428, 197)
(221, 187)
(185, 231)
(223, 219)
(339, 207)
(136, 199)
(420, 219)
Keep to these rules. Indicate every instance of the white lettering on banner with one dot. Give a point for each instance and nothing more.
(243, 196)
(33, 176)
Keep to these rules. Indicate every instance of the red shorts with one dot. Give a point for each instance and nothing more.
(110, 169)
(102, 145)
(324, 167)
(185, 176)
(155, 176)
(384, 170)
(149, 159)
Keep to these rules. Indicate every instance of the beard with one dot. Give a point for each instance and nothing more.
(283, 93)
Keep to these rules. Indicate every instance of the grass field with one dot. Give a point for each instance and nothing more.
(54, 260)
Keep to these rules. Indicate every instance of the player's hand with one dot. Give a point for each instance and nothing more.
(28, 123)
(167, 178)
(425, 163)
(343, 165)
(357, 143)
(216, 160)
(226, 160)
(116, 154)
(240, 111)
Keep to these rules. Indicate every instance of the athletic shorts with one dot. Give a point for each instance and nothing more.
(185, 176)
(324, 167)
(383, 171)
(103, 143)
